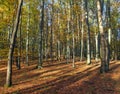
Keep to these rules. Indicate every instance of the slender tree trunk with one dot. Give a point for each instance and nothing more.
(78, 36)
(33, 40)
(52, 36)
(58, 42)
(51, 41)
(27, 38)
(73, 37)
(11, 50)
(103, 42)
(88, 35)
(97, 46)
(73, 50)
(82, 32)
(41, 37)
(109, 28)
(68, 31)
(46, 43)
(115, 45)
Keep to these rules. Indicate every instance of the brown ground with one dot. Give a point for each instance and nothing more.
(61, 78)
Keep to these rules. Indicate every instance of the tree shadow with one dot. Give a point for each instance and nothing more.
(24, 77)
(88, 81)
(60, 71)
(57, 83)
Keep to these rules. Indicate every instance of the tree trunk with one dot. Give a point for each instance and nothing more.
(88, 35)
(27, 38)
(51, 40)
(104, 52)
(109, 28)
(73, 37)
(97, 46)
(58, 41)
(78, 36)
(12, 44)
(46, 39)
(82, 31)
(41, 37)
(68, 31)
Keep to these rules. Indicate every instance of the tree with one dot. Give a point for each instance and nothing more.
(41, 29)
(27, 37)
(88, 34)
(104, 52)
(73, 35)
(82, 31)
(68, 31)
(12, 44)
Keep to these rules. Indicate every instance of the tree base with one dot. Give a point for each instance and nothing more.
(40, 67)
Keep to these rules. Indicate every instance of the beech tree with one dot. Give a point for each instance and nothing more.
(88, 34)
(104, 50)
(12, 45)
(41, 29)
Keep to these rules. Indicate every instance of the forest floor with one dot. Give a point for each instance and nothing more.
(62, 78)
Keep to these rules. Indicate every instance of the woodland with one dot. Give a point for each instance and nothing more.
(59, 46)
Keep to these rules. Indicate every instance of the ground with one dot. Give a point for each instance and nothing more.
(61, 78)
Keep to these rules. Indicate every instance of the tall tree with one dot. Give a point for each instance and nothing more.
(27, 37)
(51, 30)
(41, 28)
(58, 40)
(103, 41)
(73, 35)
(88, 34)
(68, 31)
(82, 31)
(12, 44)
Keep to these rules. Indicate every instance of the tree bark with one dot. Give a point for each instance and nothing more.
(82, 31)
(58, 41)
(12, 44)
(41, 37)
(73, 36)
(104, 52)
(27, 37)
(88, 35)
(68, 31)
(97, 46)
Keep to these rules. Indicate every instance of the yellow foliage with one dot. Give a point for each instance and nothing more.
(1, 10)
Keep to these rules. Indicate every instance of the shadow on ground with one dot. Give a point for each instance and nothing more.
(89, 81)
